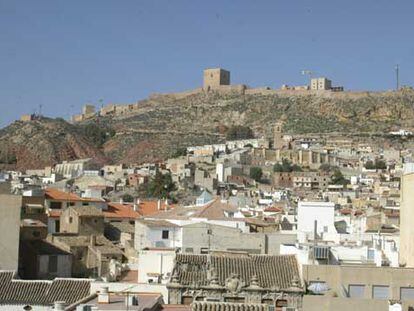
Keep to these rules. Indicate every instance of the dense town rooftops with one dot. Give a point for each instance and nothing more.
(146, 208)
(55, 194)
(58, 195)
(122, 226)
(121, 210)
(13, 291)
(143, 208)
(87, 211)
(262, 271)
(119, 301)
(213, 210)
(101, 243)
(224, 306)
(157, 223)
(43, 247)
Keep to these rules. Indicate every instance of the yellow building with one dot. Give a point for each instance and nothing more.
(321, 84)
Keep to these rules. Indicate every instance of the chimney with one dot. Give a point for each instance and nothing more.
(136, 204)
(159, 204)
(59, 306)
(93, 240)
(103, 296)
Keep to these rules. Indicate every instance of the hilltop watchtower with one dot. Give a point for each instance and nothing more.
(215, 77)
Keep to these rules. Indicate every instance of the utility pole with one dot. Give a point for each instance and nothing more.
(397, 76)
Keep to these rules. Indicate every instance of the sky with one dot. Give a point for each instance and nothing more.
(61, 54)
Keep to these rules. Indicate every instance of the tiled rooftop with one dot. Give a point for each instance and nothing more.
(225, 306)
(271, 271)
(13, 291)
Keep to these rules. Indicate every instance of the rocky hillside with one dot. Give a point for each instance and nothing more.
(163, 124)
(39, 143)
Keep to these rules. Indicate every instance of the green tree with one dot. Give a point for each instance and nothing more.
(127, 198)
(160, 186)
(380, 164)
(256, 173)
(179, 152)
(286, 166)
(369, 165)
(338, 178)
(326, 167)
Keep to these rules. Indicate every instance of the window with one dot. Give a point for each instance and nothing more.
(189, 250)
(204, 250)
(53, 264)
(380, 292)
(407, 293)
(70, 219)
(55, 205)
(57, 225)
(371, 254)
(356, 291)
(165, 234)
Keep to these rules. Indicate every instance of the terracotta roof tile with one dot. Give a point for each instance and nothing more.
(55, 213)
(271, 271)
(41, 292)
(147, 208)
(225, 306)
(118, 210)
(55, 194)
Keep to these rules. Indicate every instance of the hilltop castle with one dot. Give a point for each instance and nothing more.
(214, 80)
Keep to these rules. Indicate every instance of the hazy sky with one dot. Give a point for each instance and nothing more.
(63, 53)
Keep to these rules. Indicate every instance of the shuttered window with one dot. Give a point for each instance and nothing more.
(356, 291)
(407, 293)
(380, 292)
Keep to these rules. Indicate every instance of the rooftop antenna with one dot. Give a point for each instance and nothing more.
(397, 75)
(40, 110)
(307, 73)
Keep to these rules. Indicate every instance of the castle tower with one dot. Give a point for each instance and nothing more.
(215, 77)
(278, 142)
